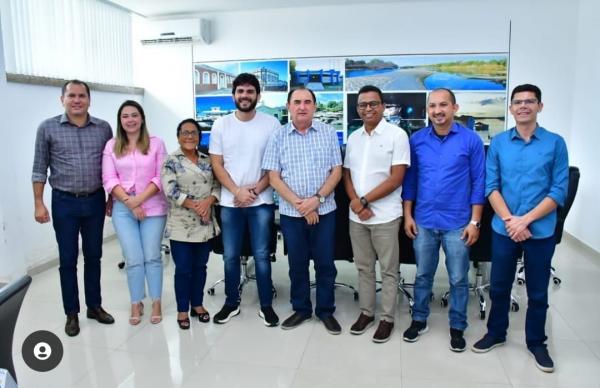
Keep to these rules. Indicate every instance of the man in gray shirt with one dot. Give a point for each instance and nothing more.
(71, 146)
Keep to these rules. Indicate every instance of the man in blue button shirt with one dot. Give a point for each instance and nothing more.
(445, 186)
(527, 178)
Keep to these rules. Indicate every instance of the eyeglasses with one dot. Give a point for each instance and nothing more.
(529, 101)
(188, 133)
(372, 104)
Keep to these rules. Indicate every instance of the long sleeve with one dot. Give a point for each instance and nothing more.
(560, 173)
(477, 167)
(168, 178)
(160, 156)
(41, 159)
(409, 186)
(110, 177)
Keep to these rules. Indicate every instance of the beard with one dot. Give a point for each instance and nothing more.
(250, 108)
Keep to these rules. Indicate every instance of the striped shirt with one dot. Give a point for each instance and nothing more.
(304, 162)
(73, 154)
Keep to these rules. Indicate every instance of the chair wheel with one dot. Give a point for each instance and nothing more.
(482, 315)
(167, 251)
(556, 281)
(520, 282)
(121, 265)
(210, 291)
(444, 302)
(356, 296)
(514, 306)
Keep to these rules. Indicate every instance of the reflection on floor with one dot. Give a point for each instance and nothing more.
(246, 353)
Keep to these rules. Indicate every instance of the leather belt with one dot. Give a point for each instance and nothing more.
(81, 194)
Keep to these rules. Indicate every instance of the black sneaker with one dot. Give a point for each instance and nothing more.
(457, 341)
(542, 359)
(486, 344)
(226, 313)
(295, 320)
(414, 331)
(331, 325)
(268, 316)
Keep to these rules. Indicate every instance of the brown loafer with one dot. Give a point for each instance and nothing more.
(100, 315)
(384, 332)
(72, 325)
(362, 324)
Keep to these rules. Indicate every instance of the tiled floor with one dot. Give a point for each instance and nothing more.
(245, 353)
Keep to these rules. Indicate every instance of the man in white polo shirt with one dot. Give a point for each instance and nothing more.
(237, 145)
(377, 156)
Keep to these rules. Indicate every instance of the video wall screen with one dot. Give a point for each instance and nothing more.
(478, 80)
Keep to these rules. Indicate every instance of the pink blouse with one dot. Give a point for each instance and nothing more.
(135, 171)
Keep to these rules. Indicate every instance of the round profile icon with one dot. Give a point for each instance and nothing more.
(42, 351)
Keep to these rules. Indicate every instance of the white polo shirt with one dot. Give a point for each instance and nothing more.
(242, 145)
(369, 159)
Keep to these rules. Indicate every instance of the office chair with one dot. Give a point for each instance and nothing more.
(245, 275)
(561, 216)
(343, 244)
(407, 256)
(11, 298)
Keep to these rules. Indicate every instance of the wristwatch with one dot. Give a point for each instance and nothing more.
(476, 224)
(364, 202)
(320, 197)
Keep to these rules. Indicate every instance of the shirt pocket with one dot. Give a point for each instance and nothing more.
(320, 158)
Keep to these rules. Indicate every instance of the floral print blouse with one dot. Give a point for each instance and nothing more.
(182, 179)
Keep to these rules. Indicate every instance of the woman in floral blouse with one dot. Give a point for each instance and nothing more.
(192, 190)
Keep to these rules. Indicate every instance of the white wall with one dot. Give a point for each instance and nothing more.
(24, 243)
(12, 262)
(543, 51)
(584, 139)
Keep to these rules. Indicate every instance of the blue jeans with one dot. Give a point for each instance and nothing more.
(140, 243)
(70, 217)
(537, 258)
(235, 222)
(427, 255)
(190, 260)
(316, 242)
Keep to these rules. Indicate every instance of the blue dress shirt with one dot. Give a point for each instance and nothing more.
(446, 177)
(526, 173)
(304, 162)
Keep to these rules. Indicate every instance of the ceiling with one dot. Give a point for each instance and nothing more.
(162, 8)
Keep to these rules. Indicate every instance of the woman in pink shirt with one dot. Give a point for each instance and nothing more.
(131, 165)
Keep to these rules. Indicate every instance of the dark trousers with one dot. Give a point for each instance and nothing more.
(190, 260)
(537, 256)
(316, 242)
(72, 216)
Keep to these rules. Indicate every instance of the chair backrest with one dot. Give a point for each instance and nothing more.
(562, 211)
(11, 298)
(343, 245)
(482, 249)
(407, 252)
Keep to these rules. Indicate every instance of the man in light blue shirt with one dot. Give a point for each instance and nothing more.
(527, 178)
(304, 163)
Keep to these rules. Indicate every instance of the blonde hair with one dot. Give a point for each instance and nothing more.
(121, 141)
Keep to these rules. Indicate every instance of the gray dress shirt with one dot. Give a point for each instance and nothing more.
(74, 154)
